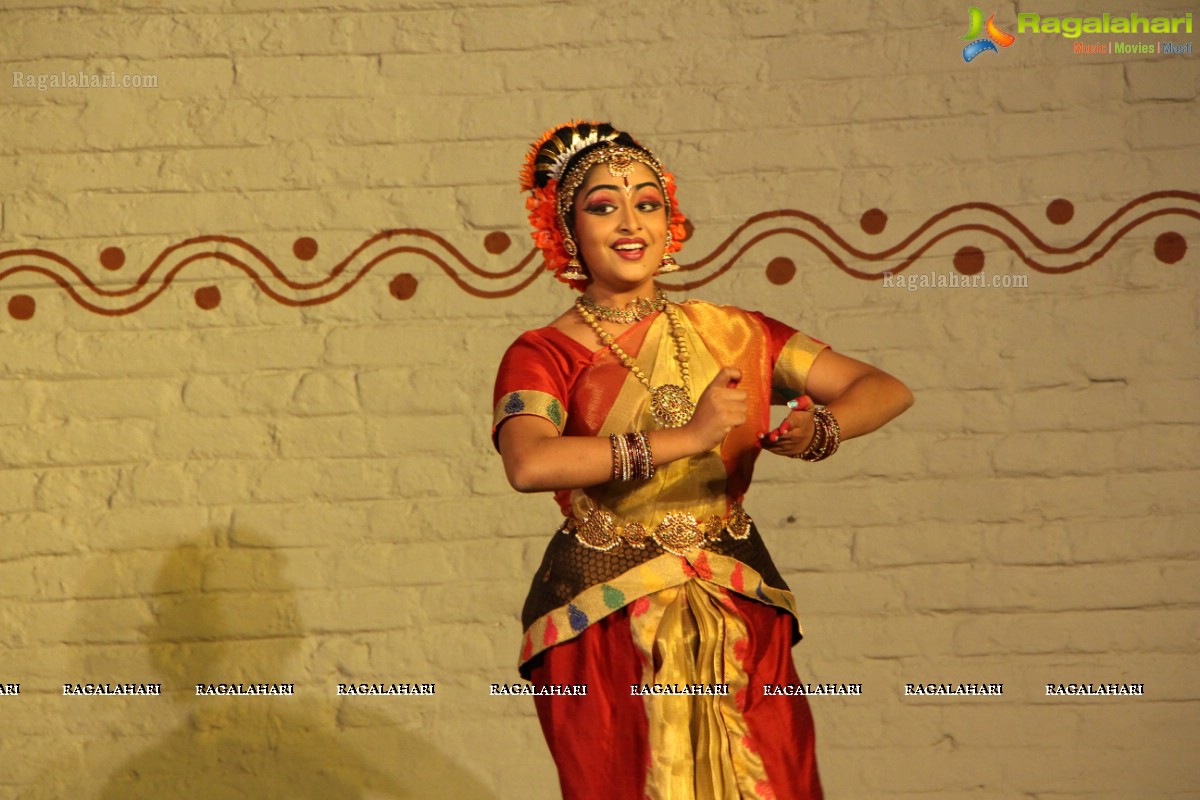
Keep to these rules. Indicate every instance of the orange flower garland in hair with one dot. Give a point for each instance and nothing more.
(678, 222)
(543, 216)
(547, 160)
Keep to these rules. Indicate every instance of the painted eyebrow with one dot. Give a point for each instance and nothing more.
(613, 188)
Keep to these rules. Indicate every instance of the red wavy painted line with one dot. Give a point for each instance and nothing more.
(72, 290)
(144, 278)
(929, 223)
(466, 287)
(81, 279)
(454, 264)
(1032, 263)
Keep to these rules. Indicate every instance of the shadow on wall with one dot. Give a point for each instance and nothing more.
(222, 612)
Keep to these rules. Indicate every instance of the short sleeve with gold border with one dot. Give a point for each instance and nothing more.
(529, 401)
(533, 380)
(790, 377)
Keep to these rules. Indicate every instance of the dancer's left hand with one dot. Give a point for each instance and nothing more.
(795, 433)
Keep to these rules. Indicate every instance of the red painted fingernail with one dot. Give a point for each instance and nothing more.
(805, 403)
(785, 427)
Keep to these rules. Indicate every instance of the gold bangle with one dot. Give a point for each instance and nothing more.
(632, 458)
(827, 436)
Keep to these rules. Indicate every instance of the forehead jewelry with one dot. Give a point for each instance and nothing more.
(621, 166)
(619, 160)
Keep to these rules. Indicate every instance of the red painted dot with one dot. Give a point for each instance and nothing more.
(305, 248)
(1170, 247)
(1060, 211)
(403, 286)
(781, 270)
(208, 297)
(496, 242)
(969, 261)
(22, 306)
(112, 258)
(873, 221)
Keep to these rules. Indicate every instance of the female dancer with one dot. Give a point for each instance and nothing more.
(645, 416)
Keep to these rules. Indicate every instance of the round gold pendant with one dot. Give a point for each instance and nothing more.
(671, 405)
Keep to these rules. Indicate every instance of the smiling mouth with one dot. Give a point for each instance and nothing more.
(630, 249)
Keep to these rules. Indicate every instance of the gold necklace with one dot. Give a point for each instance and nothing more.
(636, 311)
(670, 404)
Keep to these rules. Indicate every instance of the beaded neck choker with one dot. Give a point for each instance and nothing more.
(670, 404)
(636, 311)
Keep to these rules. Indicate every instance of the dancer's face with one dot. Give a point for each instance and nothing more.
(620, 227)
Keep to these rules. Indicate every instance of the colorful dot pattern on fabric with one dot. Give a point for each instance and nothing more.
(727, 601)
(741, 649)
(632, 590)
(579, 620)
(613, 598)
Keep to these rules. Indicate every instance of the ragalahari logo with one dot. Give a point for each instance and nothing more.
(995, 36)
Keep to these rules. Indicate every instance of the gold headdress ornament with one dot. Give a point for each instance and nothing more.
(554, 168)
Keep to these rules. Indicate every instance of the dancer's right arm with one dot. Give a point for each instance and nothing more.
(537, 459)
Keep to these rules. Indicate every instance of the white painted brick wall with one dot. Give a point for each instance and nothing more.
(268, 493)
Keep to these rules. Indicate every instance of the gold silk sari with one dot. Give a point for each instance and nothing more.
(668, 551)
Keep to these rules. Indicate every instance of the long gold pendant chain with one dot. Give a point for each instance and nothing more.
(670, 404)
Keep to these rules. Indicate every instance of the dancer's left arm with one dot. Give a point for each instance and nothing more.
(861, 398)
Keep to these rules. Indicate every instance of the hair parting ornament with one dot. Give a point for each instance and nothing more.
(556, 166)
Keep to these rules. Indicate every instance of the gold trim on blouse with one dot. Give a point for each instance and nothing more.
(539, 404)
(795, 359)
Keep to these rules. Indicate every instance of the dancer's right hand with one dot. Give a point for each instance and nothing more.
(720, 409)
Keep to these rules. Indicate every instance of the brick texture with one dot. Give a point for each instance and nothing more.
(264, 492)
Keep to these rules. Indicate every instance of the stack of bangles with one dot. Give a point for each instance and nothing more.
(631, 457)
(826, 436)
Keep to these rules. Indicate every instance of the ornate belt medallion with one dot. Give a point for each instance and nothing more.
(678, 532)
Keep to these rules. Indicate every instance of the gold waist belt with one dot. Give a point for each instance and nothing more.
(678, 532)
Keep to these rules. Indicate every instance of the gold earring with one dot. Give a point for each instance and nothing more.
(667, 264)
(574, 270)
